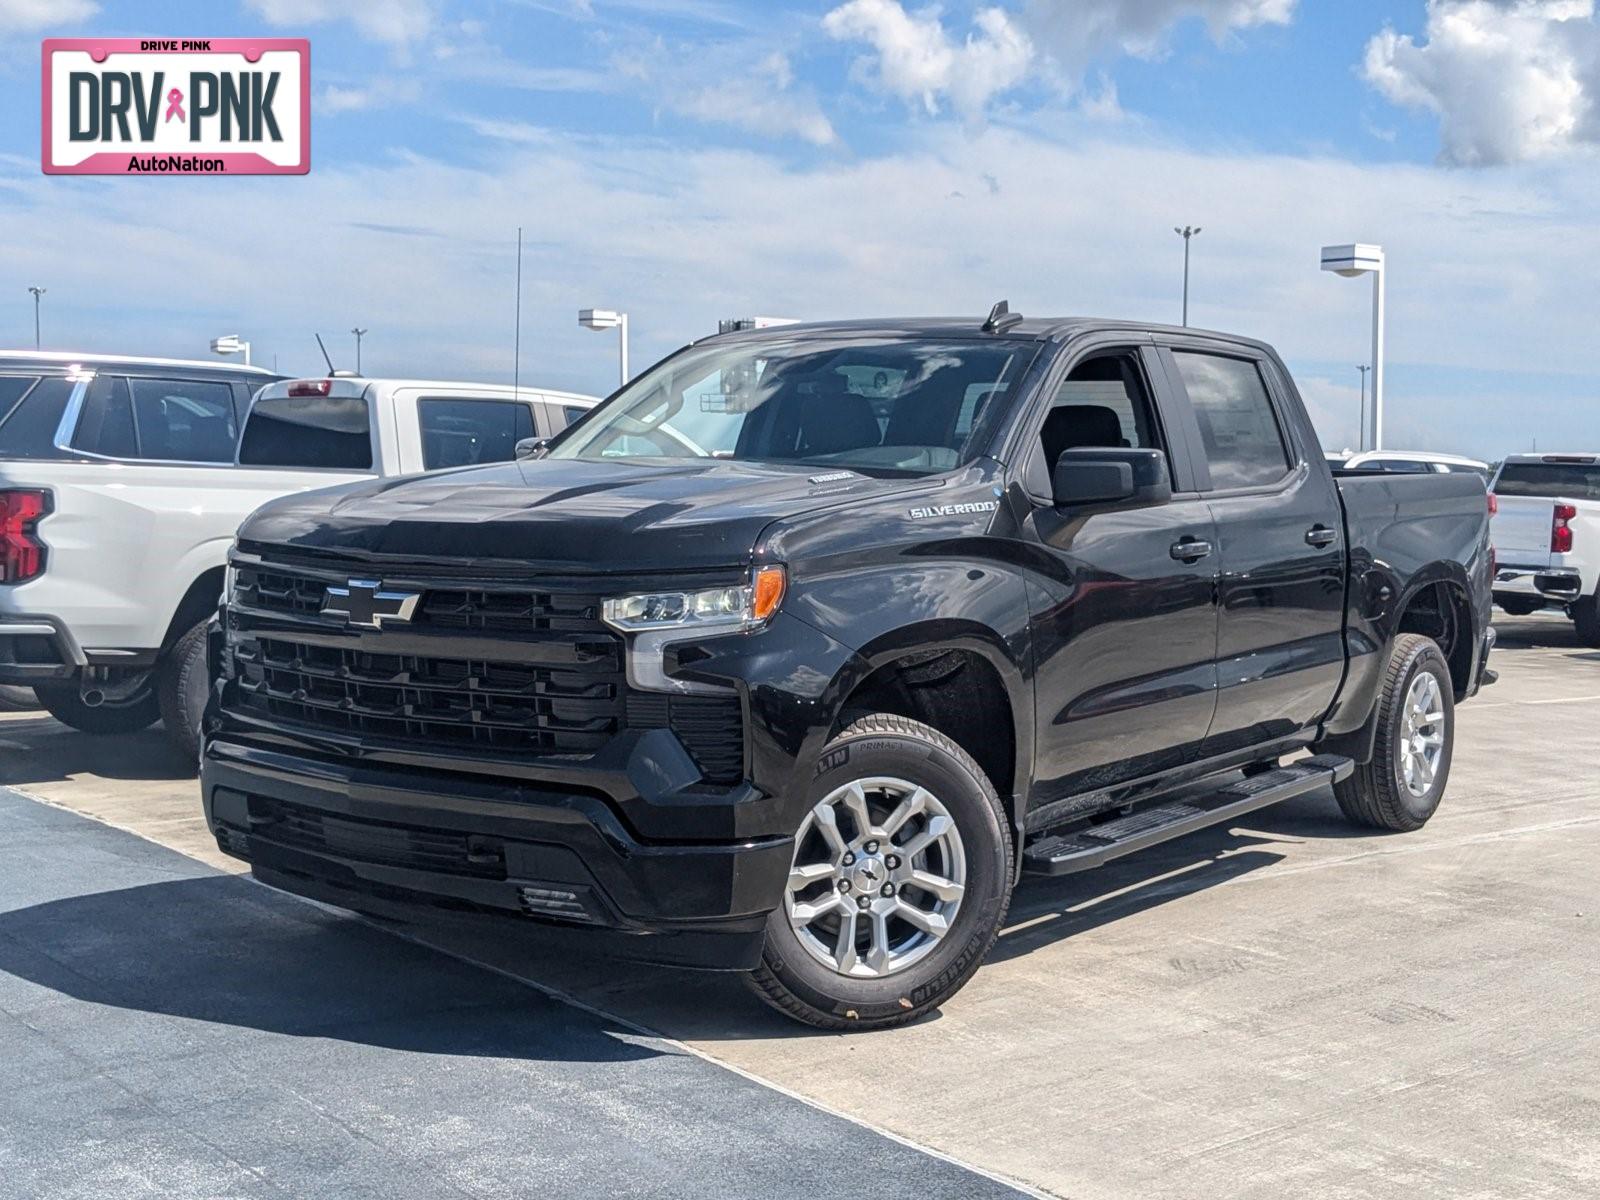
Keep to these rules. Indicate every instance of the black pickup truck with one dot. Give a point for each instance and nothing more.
(797, 653)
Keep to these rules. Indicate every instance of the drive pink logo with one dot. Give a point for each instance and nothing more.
(213, 106)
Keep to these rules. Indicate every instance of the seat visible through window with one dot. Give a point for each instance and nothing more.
(1103, 402)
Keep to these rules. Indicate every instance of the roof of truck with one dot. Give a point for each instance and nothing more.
(359, 383)
(1034, 328)
(67, 358)
(1563, 456)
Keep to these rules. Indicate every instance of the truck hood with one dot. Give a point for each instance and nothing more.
(566, 515)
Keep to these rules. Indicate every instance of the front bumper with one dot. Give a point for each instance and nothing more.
(393, 842)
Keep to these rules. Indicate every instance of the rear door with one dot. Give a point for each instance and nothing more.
(1123, 598)
(1280, 621)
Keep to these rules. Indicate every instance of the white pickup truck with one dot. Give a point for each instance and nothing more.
(123, 481)
(1546, 532)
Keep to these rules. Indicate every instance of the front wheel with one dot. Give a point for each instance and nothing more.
(182, 691)
(1400, 788)
(900, 880)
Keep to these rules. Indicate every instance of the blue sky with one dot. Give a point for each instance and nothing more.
(691, 159)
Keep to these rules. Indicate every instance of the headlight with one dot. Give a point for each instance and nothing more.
(744, 606)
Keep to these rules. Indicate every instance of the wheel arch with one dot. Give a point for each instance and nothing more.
(959, 677)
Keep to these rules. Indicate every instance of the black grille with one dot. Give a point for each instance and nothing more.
(566, 695)
(439, 701)
(368, 841)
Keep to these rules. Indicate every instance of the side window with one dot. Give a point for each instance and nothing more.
(1243, 442)
(184, 420)
(568, 414)
(29, 431)
(464, 433)
(106, 424)
(1103, 402)
(12, 389)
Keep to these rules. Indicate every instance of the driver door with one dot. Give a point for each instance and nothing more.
(1123, 600)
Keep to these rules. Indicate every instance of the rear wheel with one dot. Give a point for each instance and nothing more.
(900, 881)
(65, 703)
(17, 699)
(182, 691)
(1586, 616)
(1400, 788)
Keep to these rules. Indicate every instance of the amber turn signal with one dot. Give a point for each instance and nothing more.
(771, 583)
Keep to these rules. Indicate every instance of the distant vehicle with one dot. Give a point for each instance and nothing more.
(1413, 462)
(1547, 534)
(123, 481)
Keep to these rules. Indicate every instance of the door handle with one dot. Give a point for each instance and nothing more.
(1321, 535)
(1189, 549)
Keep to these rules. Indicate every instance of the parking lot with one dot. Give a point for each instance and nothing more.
(1285, 1006)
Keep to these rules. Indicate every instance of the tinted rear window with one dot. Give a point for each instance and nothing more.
(184, 420)
(29, 430)
(1576, 481)
(308, 431)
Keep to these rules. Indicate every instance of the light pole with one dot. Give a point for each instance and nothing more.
(1186, 232)
(1351, 261)
(603, 319)
(1363, 368)
(229, 343)
(37, 292)
(360, 333)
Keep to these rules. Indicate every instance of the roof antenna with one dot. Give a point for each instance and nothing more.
(325, 358)
(1001, 318)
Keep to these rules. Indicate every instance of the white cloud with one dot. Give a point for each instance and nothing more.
(383, 92)
(1074, 32)
(728, 85)
(916, 60)
(394, 22)
(1510, 80)
(35, 16)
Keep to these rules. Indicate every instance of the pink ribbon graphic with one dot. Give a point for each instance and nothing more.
(174, 106)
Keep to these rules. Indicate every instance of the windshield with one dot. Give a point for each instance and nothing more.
(893, 406)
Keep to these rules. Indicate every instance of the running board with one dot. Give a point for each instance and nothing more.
(1082, 849)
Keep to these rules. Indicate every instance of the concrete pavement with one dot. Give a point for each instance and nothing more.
(1287, 1006)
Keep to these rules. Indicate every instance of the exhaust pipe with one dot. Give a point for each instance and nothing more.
(93, 698)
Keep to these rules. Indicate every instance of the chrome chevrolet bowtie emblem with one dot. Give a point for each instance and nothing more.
(364, 603)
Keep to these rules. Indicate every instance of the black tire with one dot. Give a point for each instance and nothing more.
(63, 702)
(1376, 795)
(1520, 608)
(1586, 617)
(801, 986)
(17, 699)
(181, 689)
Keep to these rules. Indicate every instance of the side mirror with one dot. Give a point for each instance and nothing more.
(1106, 475)
(532, 447)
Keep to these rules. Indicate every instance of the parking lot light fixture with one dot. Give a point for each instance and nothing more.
(602, 319)
(1350, 261)
(37, 292)
(230, 343)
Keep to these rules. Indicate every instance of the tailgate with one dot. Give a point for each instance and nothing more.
(1521, 531)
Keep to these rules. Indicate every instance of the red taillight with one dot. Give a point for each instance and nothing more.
(310, 387)
(1494, 504)
(21, 553)
(1560, 529)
